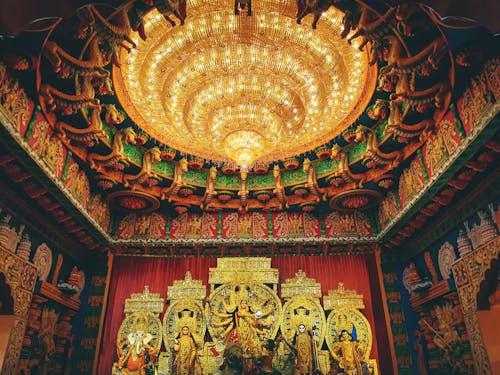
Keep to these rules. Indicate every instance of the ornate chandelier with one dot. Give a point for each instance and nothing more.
(244, 89)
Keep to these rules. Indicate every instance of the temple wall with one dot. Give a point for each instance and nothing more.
(57, 306)
(436, 330)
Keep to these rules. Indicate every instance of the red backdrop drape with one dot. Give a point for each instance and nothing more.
(130, 274)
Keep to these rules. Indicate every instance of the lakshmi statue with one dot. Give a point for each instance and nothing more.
(348, 355)
(186, 361)
(137, 357)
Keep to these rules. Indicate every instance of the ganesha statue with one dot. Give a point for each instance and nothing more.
(138, 352)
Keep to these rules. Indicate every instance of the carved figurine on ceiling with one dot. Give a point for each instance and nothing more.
(171, 7)
(373, 157)
(243, 192)
(116, 159)
(146, 176)
(343, 170)
(411, 19)
(378, 111)
(278, 191)
(350, 19)
(422, 63)
(68, 66)
(180, 168)
(210, 193)
(372, 27)
(90, 135)
(241, 5)
(316, 7)
(116, 33)
(55, 99)
(312, 182)
(113, 116)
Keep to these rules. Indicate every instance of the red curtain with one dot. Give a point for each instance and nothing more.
(130, 274)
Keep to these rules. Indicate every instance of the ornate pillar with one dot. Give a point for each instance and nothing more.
(468, 272)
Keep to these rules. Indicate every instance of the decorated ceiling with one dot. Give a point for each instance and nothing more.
(260, 108)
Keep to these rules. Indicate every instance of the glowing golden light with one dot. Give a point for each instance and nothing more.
(244, 89)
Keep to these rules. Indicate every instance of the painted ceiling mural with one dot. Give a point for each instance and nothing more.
(280, 121)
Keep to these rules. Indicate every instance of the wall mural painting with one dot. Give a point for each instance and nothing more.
(142, 226)
(476, 100)
(346, 224)
(99, 210)
(441, 145)
(15, 101)
(411, 181)
(295, 225)
(250, 225)
(77, 182)
(236, 225)
(194, 226)
(432, 307)
(388, 209)
(492, 70)
(40, 134)
(54, 154)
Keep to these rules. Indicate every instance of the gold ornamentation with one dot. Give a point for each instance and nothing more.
(187, 288)
(302, 309)
(343, 299)
(144, 301)
(255, 270)
(301, 285)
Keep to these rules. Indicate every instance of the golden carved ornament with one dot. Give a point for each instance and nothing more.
(342, 298)
(244, 270)
(145, 301)
(300, 285)
(187, 288)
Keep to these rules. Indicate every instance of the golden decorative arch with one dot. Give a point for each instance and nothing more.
(354, 322)
(142, 312)
(303, 310)
(145, 321)
(184, 313)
